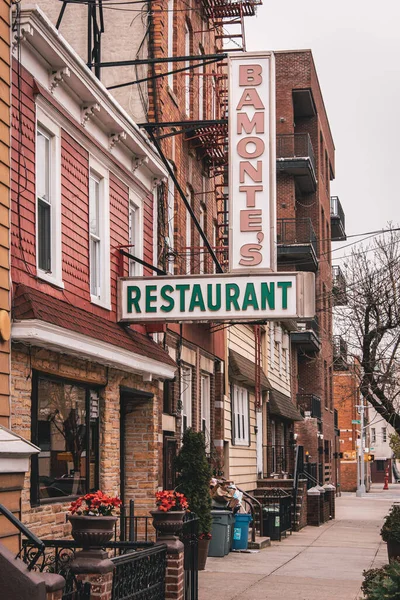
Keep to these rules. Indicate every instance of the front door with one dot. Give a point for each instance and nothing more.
(170, 447)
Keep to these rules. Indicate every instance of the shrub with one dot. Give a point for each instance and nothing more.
(194, 474)
(382, 584)
(391, 527)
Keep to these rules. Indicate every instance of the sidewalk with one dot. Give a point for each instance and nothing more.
(318, 562)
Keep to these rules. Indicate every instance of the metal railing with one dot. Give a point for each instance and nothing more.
(31, 537)
(278, 457)
(337, 210)
(132, 527)
(339, 352)
(296, 232)
(251, 502)
(338, 286)
(295, 145)
(310, 325)
(140, 574)
(310, 403)
(189, 538)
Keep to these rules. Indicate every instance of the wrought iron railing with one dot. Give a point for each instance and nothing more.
(278, 458)
(296, 232)
(310, 403)
(132, 527)
(140, 575)
(295, 145)
(189, 538)
(337, 210)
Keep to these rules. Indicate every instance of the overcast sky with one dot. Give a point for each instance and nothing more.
(356, 49)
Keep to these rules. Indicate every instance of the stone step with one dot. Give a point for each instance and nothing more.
(260, 543)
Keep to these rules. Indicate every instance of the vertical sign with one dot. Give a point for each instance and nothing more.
(252, 180)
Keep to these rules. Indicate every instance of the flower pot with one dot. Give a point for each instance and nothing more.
(90, 531)
(167, 524)
(393, 548)
(202, 553)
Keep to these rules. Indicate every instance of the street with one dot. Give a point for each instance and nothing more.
(317, 562)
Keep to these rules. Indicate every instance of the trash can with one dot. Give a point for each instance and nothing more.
(276, 513)
(221, 532)
(241, 531)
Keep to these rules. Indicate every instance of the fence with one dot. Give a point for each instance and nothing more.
(140, 575)
(189, 538)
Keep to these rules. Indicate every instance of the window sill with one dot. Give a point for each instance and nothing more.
(50, 279)
(60, 500)
(244, 443)
(99, 302)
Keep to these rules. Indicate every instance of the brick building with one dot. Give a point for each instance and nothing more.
(308, 219)
(85, 389)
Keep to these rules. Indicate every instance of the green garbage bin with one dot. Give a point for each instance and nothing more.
(221, 532)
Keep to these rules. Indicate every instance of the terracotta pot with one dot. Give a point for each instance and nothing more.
(92, 532)
(167, 524)
(393, 549)
(202, 553)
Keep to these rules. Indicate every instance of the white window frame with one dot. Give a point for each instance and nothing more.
(384, 435)
(205, 394)
(100, 172)
(186, 73)
(240, 412)
(373, 435)
(170, 42)
(53, 132)
(135, 234)
(186, 396)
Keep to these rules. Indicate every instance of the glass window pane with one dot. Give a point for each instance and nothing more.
(94, 198)
(95, 267)
(43, 166)
(62, 438)
(44, 236)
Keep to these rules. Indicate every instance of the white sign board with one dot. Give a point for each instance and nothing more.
(215, 298)
(252, 163)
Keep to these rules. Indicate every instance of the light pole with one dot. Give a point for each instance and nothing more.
(360, 454)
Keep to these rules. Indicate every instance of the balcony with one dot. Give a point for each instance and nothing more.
(339, 293)
(338, 230)
(310, 403)
(297, 244)
(306, 338)
(295, 156)
(340, 362)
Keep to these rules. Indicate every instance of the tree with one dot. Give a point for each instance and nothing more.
(194, 474)
(371, 322)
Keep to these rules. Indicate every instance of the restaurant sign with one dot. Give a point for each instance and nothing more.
(217, 298)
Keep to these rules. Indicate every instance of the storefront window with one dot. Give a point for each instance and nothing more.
(65, 423)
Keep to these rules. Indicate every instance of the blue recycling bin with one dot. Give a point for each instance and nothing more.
(241, 531)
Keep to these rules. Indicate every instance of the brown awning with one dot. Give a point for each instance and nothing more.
(242, 370)
(282, 406)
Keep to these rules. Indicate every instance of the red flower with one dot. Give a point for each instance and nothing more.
(170, 500)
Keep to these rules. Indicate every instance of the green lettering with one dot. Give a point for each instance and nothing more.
(197, 298)
(182, 289)
(250, 297)
(210, 304)
(165, 290)
(268, 295)
(133, 301)
(284, 285)
(150, 298)
(232, 294)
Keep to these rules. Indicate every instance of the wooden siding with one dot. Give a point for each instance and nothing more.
(5, 82)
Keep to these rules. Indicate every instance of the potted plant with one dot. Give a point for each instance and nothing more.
(92, 518)
(168, 518)
(390, 532)
(194, 474)
(383, 583)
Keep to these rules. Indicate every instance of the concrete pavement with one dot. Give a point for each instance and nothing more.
(316, 563)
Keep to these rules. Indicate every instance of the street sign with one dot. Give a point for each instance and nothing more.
(213, 298)
(356, 422)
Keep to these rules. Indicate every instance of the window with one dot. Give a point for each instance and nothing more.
(240, 416)
(48, 200)
(202, 221)
(99, 234)
(170, 41)
(65, 426)
(171, 221)
(201, 88)
(373, 435)
(380, 465)
(384, 437)
(206, 409)
(134, 238)
(186, 397)
(186, 73)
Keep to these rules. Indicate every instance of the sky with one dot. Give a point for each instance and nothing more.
(356, 49)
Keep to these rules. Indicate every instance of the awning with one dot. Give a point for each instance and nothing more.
(282, 406)
(42, 320)
(242, 370)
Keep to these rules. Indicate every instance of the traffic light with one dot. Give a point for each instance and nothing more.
(370, 457)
